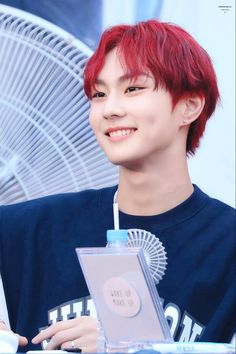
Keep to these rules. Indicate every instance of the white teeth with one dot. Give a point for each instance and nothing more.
(121, 132)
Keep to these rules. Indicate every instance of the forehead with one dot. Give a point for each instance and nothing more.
(113, 64)
(115, 68)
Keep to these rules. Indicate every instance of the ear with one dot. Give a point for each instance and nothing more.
(192, 107)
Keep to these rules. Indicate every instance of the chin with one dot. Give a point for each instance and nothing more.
(116, 162)
(125, 162)
(122, 157)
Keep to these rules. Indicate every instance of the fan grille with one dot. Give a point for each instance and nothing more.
(46, 143)
(153, 249)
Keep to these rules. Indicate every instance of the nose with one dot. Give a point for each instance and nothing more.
(113, 108)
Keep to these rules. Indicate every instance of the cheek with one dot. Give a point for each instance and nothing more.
(145, 109)
(93, 119)
(95, 116)
(95, 122)
(151, 119)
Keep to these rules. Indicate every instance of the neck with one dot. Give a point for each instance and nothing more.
(154, 190)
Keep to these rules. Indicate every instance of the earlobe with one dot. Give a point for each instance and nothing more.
(192, 108)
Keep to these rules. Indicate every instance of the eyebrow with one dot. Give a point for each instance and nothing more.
(122, 78)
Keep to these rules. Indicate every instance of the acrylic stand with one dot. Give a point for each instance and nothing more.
(125, 297)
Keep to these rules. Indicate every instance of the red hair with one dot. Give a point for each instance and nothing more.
(177, 62)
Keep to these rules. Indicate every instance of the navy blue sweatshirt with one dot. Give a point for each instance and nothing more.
(43, 282)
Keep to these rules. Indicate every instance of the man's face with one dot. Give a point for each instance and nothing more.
(133, 122)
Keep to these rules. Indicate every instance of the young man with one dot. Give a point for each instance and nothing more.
(152, 89)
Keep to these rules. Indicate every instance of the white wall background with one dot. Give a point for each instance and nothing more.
(213, 167)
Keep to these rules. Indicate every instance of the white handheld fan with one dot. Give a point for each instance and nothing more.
(153, 249)
(46, 144)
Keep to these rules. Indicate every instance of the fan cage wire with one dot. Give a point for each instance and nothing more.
(46, 143)
(153, 250)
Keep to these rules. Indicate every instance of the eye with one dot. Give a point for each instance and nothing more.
(134, 88)
(98, 94)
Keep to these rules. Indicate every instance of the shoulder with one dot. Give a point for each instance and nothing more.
(217, 221)
(221, 209)
(209, 218)
(213, 205)
(51, 201)
(53, 206)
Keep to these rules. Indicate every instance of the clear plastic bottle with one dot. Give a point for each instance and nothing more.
(117, 238)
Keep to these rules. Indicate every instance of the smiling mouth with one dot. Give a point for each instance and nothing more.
(120, 133)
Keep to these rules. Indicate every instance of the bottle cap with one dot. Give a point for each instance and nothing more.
(117, 236)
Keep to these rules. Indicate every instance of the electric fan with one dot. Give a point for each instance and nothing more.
(46, 144)
(153, 249)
